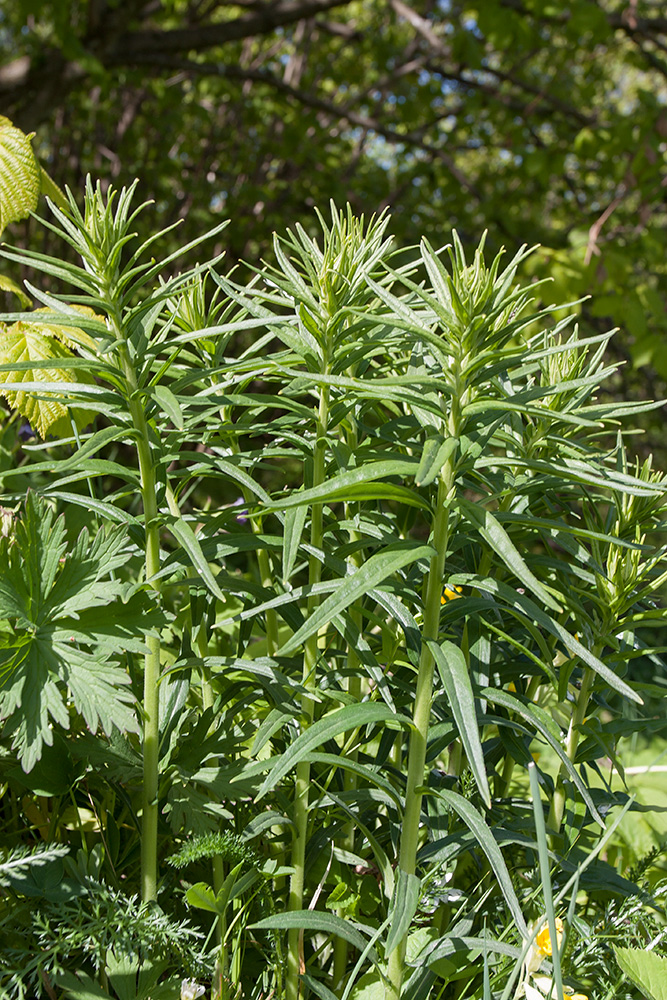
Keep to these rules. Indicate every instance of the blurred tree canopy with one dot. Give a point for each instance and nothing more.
(541, 122)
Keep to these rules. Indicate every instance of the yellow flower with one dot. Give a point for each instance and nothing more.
(451, 593)
(543, 939)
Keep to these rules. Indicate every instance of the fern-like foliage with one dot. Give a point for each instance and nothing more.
(60, 649)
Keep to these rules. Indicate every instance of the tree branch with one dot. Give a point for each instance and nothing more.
(131, 45)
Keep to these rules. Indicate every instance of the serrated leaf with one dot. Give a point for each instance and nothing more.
(19, 174)
(7, 285)
(62, 651)
(647, 970)
(37, 342)
(202, 897)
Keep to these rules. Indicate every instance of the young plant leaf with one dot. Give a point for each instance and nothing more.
(453, 670)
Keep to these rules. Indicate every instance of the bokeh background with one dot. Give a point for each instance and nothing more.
(543, 123)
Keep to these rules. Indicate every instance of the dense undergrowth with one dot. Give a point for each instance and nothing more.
(330, 613)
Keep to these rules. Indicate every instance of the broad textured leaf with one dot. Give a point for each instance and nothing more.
(453, 671)
(36, 343)
(20, 181)
(63, 650)
(7, 285)
(647, 970)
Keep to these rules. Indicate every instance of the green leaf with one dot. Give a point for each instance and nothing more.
(7, 285)
(314, 920)
(645, 969)
(184, 534)
(80, 987)
(37, 342)
(495, 535)
(375, 570)
(404, 901)
(19, 174)
(475, 823)
(453, 671)
(534, 613)
(436, 452)
(345, 485)
(202, 897)
(62, 651)
(295, 519)
(343, 719)
(540, 719)
(168, 404)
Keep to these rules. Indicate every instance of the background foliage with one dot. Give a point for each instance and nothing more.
(543, 123)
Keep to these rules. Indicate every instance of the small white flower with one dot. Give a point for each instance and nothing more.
(190, 990)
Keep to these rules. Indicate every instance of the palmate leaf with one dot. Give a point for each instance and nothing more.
(59, 650)
(20, 181)
(39, 342)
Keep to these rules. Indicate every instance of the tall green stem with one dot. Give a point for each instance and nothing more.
(151, 710)
(557, 809)
(309, 681)
(407, 860)
(340, 946)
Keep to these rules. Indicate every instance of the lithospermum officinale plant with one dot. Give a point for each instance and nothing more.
(362, 538)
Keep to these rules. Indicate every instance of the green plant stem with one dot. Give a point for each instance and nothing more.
(263, 563)
(151, 706)
(422, 712)
(341, 947)
(557, 808)
(309, 681)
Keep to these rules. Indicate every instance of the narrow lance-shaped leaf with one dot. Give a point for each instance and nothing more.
(495, 535)
(335, 488)
(534, 613)
(379, 567)
(315, 920)
(476, 824)
(453, 671)
(340, 721)
(403, 908)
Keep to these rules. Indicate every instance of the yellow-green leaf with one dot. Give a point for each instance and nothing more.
(7, 285)
(37, 343)
(20, 181)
